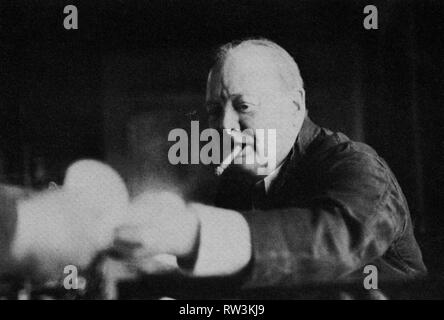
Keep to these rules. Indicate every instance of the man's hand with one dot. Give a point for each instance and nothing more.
(216, 240)
(158, 223)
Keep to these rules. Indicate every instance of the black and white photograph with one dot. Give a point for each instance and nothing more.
(227, 151)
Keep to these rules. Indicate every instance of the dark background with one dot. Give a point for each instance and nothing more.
(112, 89)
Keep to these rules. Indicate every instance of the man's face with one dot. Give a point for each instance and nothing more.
(247, 92)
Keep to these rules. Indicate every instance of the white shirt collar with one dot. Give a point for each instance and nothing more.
(268, 180)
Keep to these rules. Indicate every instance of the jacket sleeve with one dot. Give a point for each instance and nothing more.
(358, 212)
(8, 220)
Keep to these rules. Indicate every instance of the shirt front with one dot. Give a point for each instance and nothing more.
(262, 188)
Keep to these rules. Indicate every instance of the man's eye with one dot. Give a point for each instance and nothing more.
(243, 107)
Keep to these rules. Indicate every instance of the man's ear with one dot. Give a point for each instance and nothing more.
(298, 97)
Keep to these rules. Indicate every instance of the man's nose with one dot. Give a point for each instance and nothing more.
(229, 119)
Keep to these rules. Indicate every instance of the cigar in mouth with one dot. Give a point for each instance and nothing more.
(229, 159)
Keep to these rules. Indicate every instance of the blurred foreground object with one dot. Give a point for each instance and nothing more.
(69, 225)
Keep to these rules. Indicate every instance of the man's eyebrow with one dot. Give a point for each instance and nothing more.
(236, 97)
(244, 97)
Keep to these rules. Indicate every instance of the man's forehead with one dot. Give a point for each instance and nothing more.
(249, 70)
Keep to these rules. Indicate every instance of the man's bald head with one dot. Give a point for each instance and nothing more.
(265, 51)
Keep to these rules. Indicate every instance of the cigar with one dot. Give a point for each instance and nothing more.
(227, 161)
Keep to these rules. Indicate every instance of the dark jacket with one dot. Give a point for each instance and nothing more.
(334, 207)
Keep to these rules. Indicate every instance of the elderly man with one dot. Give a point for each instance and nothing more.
(323, 210)
(327, 208)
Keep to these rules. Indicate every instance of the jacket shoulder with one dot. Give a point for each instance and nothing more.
(336, 146)
(339, 162)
